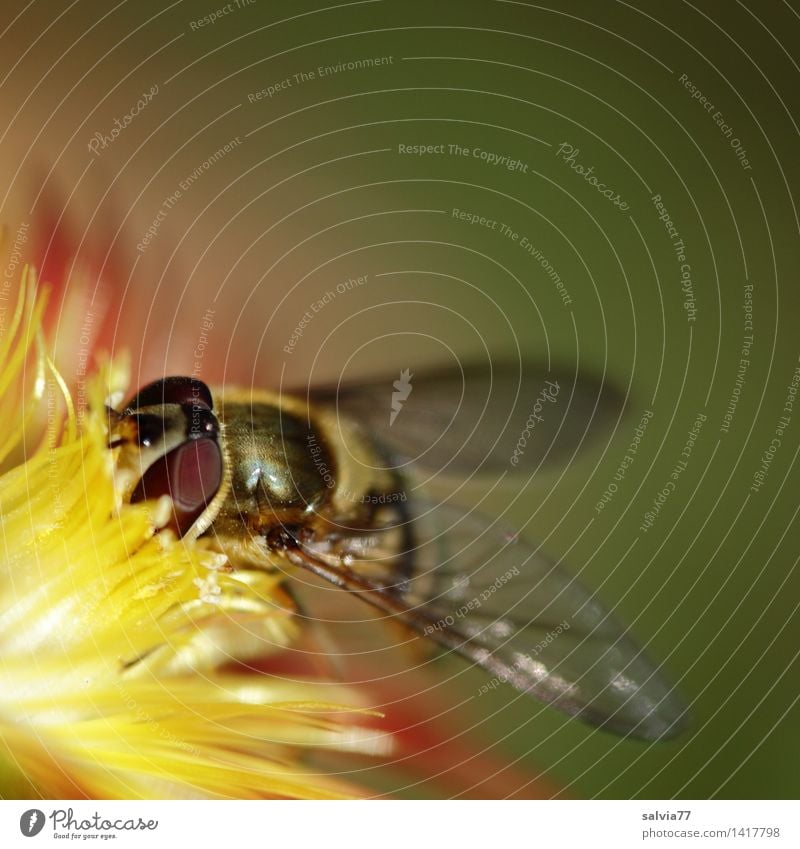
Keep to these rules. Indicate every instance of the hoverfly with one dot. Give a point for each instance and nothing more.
(326, 481)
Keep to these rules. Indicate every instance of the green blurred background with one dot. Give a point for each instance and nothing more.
(318, 191)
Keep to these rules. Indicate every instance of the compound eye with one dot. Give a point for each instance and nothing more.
(190, 474)
(172, 390)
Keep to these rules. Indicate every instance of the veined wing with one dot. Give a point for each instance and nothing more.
(496, 600)
(494, 417)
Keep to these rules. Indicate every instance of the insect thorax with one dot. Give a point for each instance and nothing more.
(278, 464)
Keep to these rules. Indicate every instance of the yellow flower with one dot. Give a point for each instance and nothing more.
(112, 636)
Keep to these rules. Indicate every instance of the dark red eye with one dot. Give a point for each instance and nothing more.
(191, 474)
(172, 390)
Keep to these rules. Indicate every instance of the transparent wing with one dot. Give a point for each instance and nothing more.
(494, 417)
(490, 596)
